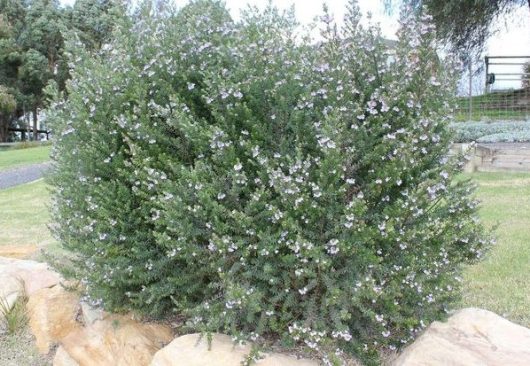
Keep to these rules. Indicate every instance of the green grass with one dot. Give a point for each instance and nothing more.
(12, 158)
(496, 114)
(24, 216)
(14, 317)
(501, 283)
(505, 105)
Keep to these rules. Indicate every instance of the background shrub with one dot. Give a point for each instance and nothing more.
(263, 184)
(492, 131)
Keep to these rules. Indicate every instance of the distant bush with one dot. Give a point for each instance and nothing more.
(523, 136)
(260, 185)
(492, 131)
(28, 144)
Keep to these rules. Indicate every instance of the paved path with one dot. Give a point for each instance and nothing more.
(23, 174)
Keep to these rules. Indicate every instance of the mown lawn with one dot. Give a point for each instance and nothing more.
(23, 219)
(501, 283)
(12, 158)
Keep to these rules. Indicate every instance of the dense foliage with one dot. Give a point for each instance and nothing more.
(501, 131)
(7, 106)
(31, 49)
(262, 184)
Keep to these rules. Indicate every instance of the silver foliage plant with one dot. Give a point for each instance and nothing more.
(252, 180)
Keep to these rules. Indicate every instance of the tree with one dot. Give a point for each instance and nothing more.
(34, 74)
(93, 20)
(42, 37)
(7, 107)
(31, 53)
(465, 25)
(11, 17)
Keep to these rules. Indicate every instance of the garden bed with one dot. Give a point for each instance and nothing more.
(501, 156)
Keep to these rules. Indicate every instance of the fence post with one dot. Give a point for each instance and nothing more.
(487, 61)
(470, 89)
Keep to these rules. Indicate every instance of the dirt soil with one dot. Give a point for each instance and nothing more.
(19, 350)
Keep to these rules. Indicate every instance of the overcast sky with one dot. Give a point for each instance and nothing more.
(513, 37)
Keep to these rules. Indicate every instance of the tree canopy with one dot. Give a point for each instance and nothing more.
(464, 25)
(32, 39)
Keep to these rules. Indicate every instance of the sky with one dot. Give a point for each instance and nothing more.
(513, 37)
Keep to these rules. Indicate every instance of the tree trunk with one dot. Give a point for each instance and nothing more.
(4, 125)
(35, 133)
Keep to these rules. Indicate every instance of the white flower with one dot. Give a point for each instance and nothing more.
(191, 86)
(220, 196)
(238, 167)
(332, 246)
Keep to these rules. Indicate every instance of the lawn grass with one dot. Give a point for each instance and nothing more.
(501, 283)
(12, 158)
(24, 216)
(478, 114)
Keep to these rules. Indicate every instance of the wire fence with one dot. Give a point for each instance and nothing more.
(498, 89)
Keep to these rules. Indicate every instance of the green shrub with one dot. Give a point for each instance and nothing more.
(492, 131)
(262, 184)
(522, 136)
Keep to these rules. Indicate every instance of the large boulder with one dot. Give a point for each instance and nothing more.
(52, 315)
(10, 288)
(33, 275)
(470, 337)
(62, 358)
(114, 341)
(192, 350)
(23, 277)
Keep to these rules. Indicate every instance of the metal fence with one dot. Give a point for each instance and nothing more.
(498, 89)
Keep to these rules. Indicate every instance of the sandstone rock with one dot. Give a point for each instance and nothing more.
(52, 315)
(34, 275)
(471, 337)
(91, 314)
(114, 341)
(283, 360)
(10, 288)
(62, 358)
(191, 350)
